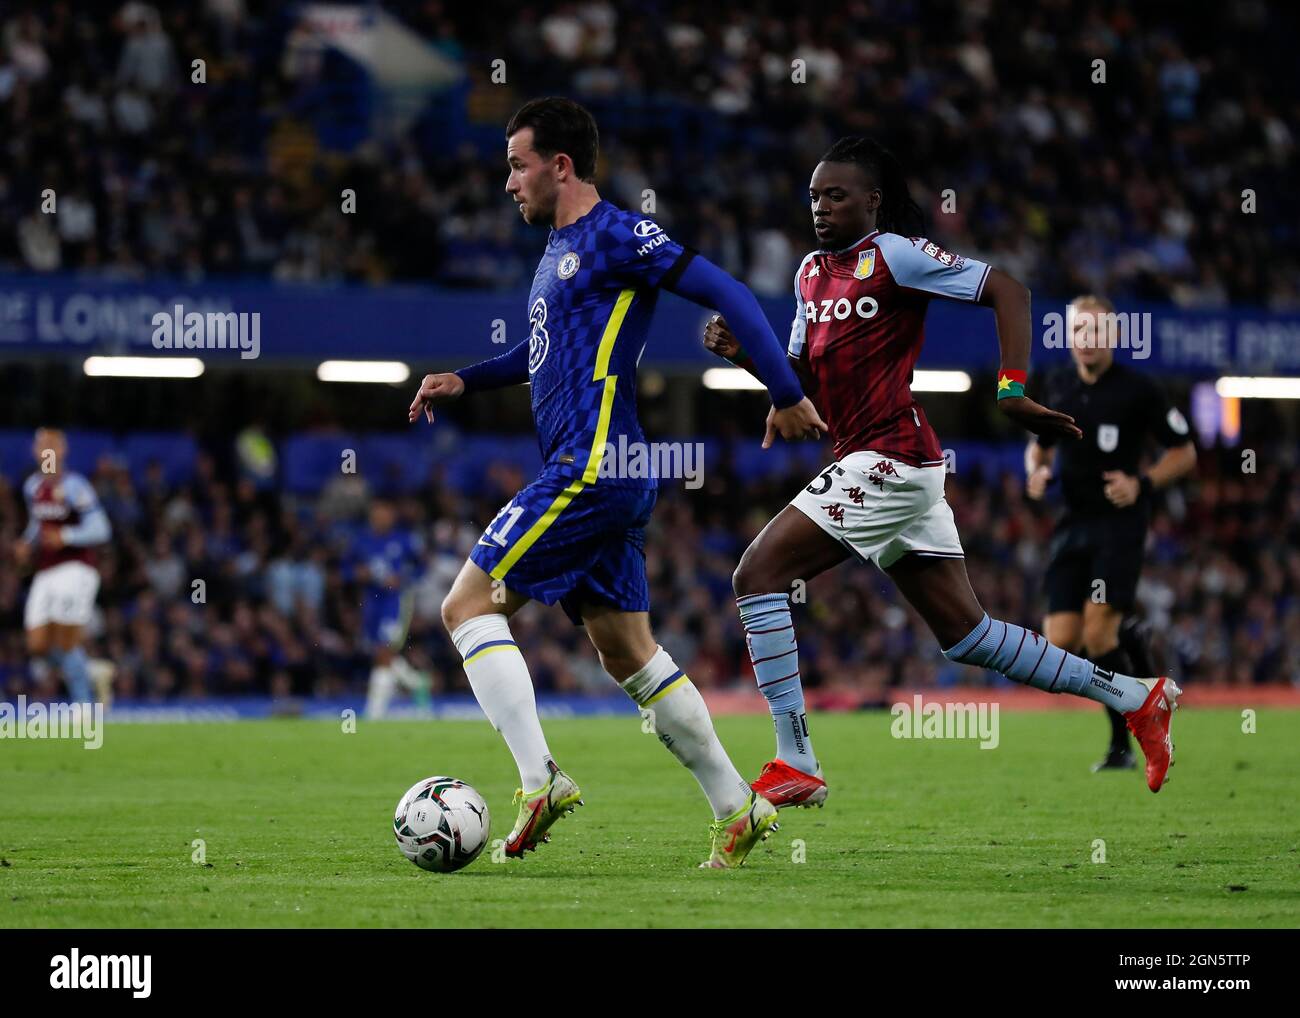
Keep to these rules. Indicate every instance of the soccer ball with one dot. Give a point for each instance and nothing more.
(441, 824)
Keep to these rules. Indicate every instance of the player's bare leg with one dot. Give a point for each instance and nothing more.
(940, 590)
(672, 704)
(791, 547)
(477, 614)
(1065, 629)
(39, 640)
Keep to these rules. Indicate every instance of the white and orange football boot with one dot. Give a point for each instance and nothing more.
(1150, 726)
(782, 785)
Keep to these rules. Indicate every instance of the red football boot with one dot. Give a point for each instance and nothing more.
(1150, 726)
(782, 785)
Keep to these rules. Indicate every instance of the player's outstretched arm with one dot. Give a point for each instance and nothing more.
(435, 389)
(793, 416)
(511, 368)
(1010, 301)
(719, 339)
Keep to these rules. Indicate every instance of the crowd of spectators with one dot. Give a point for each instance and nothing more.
(277, 614)
(1144, 150)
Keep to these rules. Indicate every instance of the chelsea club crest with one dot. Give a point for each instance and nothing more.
(568, 266)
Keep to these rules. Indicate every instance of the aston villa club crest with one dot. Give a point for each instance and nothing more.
(568, 266)
(866, 264)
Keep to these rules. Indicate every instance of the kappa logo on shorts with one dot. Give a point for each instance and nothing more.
(835, 512)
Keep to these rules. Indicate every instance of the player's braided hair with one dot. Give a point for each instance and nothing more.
(898, 213)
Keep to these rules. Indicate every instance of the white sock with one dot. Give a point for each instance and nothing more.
(380, 692)
(407, 677)
(682, 722)
(501, 684)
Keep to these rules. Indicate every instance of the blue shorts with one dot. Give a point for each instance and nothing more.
(386, 617)
(558, 540)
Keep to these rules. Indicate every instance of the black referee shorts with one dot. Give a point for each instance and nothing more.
(1106, 547)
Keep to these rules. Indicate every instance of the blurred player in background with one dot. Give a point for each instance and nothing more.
(860, 304)
(385, 561)
(65, 523)
(576, 534)
(1098, 543)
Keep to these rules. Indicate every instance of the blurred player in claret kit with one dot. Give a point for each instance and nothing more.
(1098, 544)
(65, 523)
(575, 535)
(385, 559)
(860, 303)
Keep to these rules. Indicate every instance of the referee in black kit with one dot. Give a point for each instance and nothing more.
(1098, 542)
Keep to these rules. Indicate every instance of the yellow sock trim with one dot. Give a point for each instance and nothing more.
(486, 651)
(666, 690)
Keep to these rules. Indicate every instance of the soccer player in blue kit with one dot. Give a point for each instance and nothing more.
(384, 560)
(575, 535)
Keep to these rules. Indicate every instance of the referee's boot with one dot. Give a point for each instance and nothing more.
(1120, 756)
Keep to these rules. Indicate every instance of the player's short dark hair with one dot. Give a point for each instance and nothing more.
(560, 125)
(898, 212)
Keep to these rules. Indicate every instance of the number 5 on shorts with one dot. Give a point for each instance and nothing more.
(815, 489)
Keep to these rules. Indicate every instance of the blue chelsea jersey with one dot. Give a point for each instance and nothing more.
(394, 553)
(588, 310)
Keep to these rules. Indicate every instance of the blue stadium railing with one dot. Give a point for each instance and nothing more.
(394, 464)
(73, 316)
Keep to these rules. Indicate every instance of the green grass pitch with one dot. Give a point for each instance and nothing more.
(295, 817)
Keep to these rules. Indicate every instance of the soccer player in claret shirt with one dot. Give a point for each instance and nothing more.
(576, 535)
(65, 524)
(860, 303)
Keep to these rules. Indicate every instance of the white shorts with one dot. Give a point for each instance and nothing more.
(882, 509)
(64, 594)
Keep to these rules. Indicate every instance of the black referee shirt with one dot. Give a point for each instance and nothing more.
(1117, 414)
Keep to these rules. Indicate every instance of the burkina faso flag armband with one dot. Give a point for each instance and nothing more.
(1011, 383)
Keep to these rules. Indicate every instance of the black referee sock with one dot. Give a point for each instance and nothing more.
(1134, 637)
(1116, 660)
